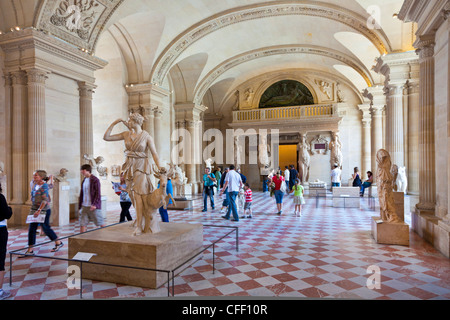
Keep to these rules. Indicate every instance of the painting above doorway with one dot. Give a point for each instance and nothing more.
(286, 93)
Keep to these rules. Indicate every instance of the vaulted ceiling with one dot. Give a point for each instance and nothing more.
(203, 44)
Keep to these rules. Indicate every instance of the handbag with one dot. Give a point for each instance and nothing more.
(283, 186)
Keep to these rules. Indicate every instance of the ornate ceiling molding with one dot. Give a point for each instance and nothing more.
(209, 79)
(79, 22)
(306, 8)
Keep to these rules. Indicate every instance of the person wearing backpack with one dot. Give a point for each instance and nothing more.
(208, 189)
(5, 214)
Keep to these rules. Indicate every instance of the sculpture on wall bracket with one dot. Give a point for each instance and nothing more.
(384, 180)
(137, 170)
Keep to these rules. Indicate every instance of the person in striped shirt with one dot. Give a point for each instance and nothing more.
(248, 201)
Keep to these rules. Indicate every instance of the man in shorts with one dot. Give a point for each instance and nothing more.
(90, 202)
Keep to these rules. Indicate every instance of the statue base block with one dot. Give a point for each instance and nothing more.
(166, 250)
(182, 204)
(390, 233)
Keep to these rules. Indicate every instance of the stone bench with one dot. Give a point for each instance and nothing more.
(347, 197)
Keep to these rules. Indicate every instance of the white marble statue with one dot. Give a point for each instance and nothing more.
(179, 181)
(208, 163)
(263, 152)
(304, 160)
(336, 151)
(402, 180)
(137, 170)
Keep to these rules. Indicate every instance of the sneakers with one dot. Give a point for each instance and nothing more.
(4, 294)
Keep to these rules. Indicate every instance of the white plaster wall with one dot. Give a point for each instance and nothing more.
(110, 102)
(441, 116)
(62, 116)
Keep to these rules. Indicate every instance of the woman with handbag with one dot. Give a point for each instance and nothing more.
(40, 205)
(279, 190)
(5, 214)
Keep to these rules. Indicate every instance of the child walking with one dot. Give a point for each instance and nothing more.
(248, 201)
(298, 197)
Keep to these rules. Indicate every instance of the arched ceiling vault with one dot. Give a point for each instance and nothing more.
(228, 39)
(300, 50)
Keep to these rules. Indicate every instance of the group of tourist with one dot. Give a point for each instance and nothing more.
(287, 182)
(356, 178)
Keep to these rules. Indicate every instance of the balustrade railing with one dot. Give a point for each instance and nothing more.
(285, 113)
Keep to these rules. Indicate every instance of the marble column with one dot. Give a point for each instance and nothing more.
(394, 124)
(8, 124)
(366, 139)
(190, 164)
(19, 139)
(37, 139)
(86, 125)
(149, 124)
(157, 137)
(412, 166)
(427, 179)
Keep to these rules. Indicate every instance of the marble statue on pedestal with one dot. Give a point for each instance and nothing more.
(263, 152)
(304, 160)
(62, 176)
(179, 181)
(137, 170)
(336, 151)
(384, 182)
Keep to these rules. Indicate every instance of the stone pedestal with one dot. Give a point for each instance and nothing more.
(166, 250)
(188, 189)
(432, 229)
(104, 206)
(61, 207)
(390, 233)
(399, 202)
(347, 197)
(182, 204)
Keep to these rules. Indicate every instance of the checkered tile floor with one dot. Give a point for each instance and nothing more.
(325, 253)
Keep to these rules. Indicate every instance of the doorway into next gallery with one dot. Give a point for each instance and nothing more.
(287, 155)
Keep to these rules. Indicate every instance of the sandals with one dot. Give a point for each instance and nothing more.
(57, 247)
(26, 255)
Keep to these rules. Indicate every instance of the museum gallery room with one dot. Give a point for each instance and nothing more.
(286, 149)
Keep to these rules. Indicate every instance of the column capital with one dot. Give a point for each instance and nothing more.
(36, 76)
(18, 78)
(8, 79)
(425, 46)
(86, 89)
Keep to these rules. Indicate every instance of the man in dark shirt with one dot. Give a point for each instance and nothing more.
(293, 174)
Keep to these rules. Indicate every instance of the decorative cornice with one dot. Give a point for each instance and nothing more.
(216, 72)
(37, 40)
(306, 8)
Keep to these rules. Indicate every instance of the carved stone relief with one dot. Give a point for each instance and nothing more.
(78, 22)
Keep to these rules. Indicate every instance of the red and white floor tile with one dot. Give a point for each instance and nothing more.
(325, 253)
